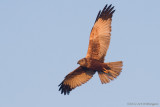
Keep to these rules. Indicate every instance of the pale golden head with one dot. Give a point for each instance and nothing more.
(82, 62)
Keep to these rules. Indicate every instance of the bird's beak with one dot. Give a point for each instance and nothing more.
(78, 62)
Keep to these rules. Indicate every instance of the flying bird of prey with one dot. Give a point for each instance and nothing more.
(94, 60)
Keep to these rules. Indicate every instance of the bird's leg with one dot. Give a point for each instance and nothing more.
(109, 71)
(105, 70)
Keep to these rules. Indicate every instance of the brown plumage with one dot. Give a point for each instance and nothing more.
(94, 60)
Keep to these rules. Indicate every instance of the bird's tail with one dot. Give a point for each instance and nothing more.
(110, 71)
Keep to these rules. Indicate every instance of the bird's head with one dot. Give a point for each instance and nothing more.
(82, 62)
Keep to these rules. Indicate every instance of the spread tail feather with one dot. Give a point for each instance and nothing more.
(110, 71)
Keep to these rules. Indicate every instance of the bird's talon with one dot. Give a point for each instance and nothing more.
(106, 71)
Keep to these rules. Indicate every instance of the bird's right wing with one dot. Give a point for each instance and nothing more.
(74, 79)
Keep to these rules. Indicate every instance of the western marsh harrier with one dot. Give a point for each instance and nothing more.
(94, 60)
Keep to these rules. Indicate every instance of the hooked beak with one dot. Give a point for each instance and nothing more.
(78, 62)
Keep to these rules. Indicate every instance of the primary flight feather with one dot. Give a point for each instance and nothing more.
(94, 61)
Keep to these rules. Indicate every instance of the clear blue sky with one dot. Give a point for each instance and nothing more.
(42, 40)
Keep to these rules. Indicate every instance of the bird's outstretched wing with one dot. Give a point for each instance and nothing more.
(100, 34)
(75, 78)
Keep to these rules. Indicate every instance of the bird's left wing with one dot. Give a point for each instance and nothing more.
(100, 34)
(75, 78)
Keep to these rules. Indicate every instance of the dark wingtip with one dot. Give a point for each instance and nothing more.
(65, 89)
(98, 15)
(106, 13)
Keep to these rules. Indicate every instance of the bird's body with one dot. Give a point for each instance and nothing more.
(94, 61)
(94, 64)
